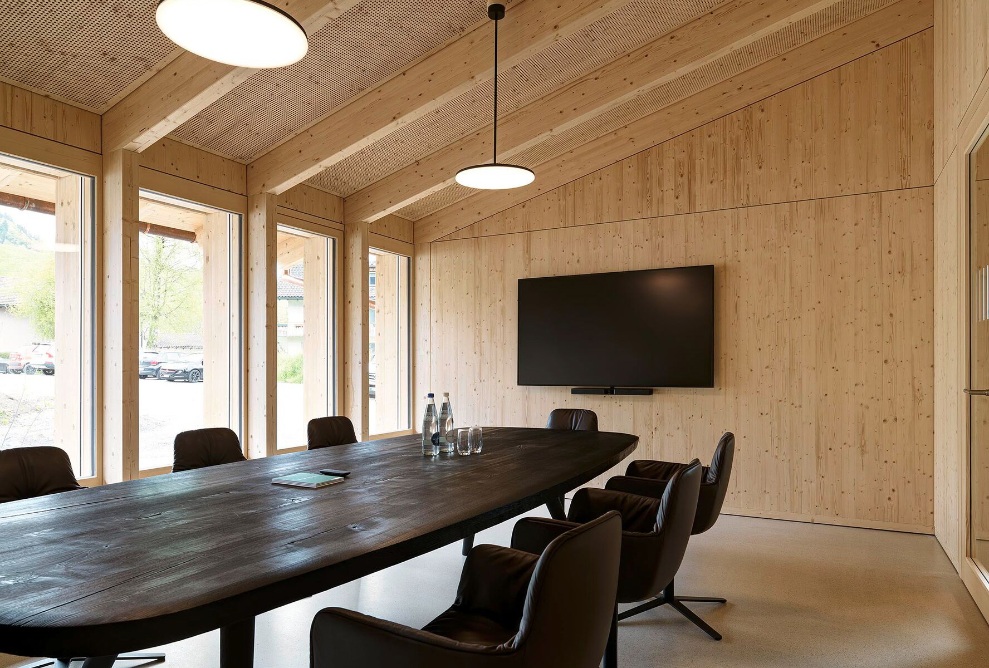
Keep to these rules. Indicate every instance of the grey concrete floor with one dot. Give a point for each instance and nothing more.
(799, 595)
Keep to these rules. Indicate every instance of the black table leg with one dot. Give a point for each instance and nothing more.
(237, 645)
(99, 662)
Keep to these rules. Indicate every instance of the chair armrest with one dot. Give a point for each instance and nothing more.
(495, 581)
(654, 489)
(656, 470)
(346, 639)
(533, 534)
(638, 512)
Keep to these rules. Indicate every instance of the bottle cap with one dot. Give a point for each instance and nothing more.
(446, 394)
(430, 395)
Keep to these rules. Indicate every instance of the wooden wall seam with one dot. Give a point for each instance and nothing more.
(816, 205)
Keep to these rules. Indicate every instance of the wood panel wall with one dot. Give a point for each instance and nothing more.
(34, 114)
(816, 207)
(961, 30)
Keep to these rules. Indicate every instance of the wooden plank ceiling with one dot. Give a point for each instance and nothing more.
(395, 97)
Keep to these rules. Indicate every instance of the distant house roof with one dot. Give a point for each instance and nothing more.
(288, 288)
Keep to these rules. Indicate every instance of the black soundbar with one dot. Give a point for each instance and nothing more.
(636, 391)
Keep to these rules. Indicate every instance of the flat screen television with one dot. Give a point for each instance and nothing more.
(643, 329)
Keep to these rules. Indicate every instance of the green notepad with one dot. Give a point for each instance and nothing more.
(309, 480)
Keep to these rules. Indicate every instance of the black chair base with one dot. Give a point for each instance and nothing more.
(100, 661)
(669, 597)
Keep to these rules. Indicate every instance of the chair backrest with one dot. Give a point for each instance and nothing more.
(573, 419)
(325, 432)
(715, 485)
(674, 522)
(36, 471)
(571, 599)
(200, 448)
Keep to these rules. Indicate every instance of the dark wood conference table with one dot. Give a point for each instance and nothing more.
(118, 568)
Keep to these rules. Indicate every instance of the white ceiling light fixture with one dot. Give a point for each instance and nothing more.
(243, 33)
(495, 176)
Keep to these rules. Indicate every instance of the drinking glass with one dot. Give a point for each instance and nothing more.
(476, 439)
(463, 441)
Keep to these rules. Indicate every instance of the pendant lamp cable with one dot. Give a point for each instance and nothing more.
(496, 93)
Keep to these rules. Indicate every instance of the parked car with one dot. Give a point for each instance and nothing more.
(33, 358)
(151, 361)
(4, 364)
(188, 369)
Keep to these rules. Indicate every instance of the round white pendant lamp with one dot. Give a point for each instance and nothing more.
(495, 175)
(243, 33)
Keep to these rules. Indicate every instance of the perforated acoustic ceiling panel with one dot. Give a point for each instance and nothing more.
(638, 23)
(761, 51)
(86, 52)
(359, 49)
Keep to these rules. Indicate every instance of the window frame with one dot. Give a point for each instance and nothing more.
(199, 194)
(60, 160)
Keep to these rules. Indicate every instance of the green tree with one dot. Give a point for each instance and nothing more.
(171, 282)
(35, 288)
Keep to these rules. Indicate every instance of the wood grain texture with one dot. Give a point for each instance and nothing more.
(153, 561)
(962, 61)
(951, 375)
(178, 159)
(734, 26)
(870, 116)
(825, 325)
(393, 227)
(961, 116)
(262, 388)
(825, 293)
(44, 117)
(188, 84)
(356, 269)
(420, 89)
(121, 347)
(312, 201)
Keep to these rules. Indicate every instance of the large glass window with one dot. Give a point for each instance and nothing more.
(46, 307)
(305, 312)
(389, 337)
(189, 322)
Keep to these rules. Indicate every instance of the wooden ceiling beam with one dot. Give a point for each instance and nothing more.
(854, 41)
(188, 84)
(444, 75)
(731, 27)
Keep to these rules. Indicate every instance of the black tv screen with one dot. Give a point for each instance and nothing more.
(652, 328)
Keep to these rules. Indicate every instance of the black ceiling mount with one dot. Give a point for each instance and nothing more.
(496, 10)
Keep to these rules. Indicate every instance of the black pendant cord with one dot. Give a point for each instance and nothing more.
(496, 94)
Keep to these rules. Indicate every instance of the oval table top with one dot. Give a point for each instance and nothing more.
(142, 563)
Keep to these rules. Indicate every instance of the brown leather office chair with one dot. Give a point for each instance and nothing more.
(650, 478)
(566, 419)
(200, 448)
(27, 473)
(326, 432)
(570, 419)
(654, 537)
(513, 610)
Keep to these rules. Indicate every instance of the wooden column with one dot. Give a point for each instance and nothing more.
(217, 371)
(421, 334)
(317, 305)
(261, 374)
(120, 346)
(68, 323)
(391, 336)
(355, 326)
